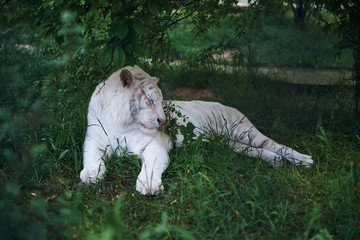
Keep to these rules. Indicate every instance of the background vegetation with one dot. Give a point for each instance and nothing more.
(210, 191)
(278, 43)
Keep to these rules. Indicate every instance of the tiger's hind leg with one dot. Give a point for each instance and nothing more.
(270, 157)
(289, 154)
(260, 141)
(273, 154)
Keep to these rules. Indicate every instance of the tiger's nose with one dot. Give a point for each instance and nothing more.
(160, 121)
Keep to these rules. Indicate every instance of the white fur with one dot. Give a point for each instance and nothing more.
(238, 130)
(118, 120)
(114, 124)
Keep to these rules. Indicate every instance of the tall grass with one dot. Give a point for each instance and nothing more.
(210, 191)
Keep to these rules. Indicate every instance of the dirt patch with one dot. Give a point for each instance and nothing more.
(309, 76)
(195, 94)
(301, 75)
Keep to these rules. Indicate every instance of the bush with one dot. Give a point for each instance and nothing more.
(24, 76)
(279, 43)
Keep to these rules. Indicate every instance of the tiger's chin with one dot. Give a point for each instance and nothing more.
(146, 129)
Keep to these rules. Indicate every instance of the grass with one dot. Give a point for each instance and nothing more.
(210, 191)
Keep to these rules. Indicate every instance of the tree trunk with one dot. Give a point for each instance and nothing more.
(299, 11)
(356, 53)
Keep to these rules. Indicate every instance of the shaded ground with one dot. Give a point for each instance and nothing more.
(296, 76)
(302, 75)
(309, 76)
(192, 94)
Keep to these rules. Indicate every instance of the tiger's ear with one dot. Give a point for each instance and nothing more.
(126, 78)
(156, 79)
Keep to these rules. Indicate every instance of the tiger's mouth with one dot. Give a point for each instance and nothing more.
(146, 128)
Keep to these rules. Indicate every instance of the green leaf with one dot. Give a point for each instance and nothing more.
(122, 29)
(131, 35)
(154, 7)
(130, 60)
(119, 56)
(119, 29)
(138, 49)
(63, 154)
(139, 26)
(127, 49)
(96, 43)
(164, 217)
(38, 205)
(106, 58)
(322, 130)
(93, 12)
(37, 149)
(147, 19)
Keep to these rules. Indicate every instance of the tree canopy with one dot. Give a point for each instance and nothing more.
(347, 24)
(120, 32)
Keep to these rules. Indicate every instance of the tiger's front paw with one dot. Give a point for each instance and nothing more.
(149, 186)
(92, 174)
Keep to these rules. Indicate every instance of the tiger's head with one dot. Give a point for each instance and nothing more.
(146, 98)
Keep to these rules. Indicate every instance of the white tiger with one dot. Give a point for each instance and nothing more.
(126, 110)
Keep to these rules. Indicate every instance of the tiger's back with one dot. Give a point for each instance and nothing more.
(211, 116)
